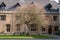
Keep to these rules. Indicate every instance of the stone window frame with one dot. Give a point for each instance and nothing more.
(43, 29)
(8, 26)
(55, 18)
(56, 28)
(33, 28)
(2, 17)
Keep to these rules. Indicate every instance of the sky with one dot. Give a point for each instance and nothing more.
(56, 1)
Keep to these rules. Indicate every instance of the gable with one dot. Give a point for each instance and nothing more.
(10, 3)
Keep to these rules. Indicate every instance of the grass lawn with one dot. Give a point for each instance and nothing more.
(25, 36)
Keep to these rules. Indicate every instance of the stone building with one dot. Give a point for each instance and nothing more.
(8, 23)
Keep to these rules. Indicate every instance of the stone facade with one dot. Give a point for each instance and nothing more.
(9, 25)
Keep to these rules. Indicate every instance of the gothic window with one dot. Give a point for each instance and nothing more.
(8, 27)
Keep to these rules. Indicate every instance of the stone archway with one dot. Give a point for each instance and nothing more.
(23, 29)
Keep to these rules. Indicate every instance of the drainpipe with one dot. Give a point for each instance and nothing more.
(59, 14)
(12, 23)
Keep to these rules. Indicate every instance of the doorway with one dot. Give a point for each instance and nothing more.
(50, 30)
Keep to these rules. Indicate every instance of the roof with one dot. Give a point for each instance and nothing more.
(10, 3)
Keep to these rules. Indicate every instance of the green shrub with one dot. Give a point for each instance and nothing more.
(58, 32)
